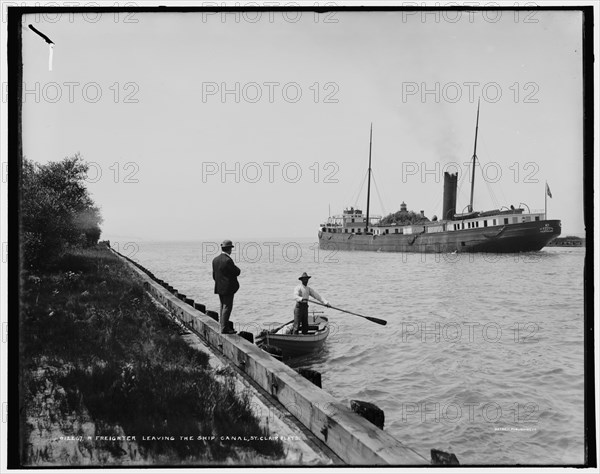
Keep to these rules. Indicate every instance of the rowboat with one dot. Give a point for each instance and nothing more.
(294, 345)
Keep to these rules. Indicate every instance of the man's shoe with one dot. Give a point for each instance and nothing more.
(228, 331)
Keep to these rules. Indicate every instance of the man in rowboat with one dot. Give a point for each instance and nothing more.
(301, 294)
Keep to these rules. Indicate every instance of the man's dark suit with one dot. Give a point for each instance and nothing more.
(225, 274)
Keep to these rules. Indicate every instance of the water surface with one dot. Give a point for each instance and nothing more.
(482, 355)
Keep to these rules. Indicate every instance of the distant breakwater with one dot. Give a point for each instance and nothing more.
(567, 242)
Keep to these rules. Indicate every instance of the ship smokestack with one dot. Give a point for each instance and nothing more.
(450, 185)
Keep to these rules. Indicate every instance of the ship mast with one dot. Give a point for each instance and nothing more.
(369, 181)
(474, 158)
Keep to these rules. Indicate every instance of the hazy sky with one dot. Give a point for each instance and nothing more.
(293, 125)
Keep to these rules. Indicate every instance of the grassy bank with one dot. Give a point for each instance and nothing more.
(99, 359)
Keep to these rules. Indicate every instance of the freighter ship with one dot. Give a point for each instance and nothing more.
(494, 231)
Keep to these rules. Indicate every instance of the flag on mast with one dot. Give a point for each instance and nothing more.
(548, 190)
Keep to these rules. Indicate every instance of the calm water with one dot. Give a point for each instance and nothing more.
(482, 356)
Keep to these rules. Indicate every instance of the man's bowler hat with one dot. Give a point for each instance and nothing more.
(227, 244)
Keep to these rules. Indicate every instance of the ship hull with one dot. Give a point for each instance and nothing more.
(510, 238)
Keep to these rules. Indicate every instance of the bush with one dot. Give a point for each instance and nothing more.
(56, 210)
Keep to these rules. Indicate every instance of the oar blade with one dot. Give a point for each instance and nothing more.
(383, 322)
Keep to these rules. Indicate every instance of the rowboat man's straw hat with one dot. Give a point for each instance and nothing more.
(304, 275)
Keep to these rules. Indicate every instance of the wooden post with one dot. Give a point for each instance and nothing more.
(189, 301)
(247, 335)
(200, 307)
(181, 296)
(369, 411)
(312, 375)
(213, 314)
(441, 458)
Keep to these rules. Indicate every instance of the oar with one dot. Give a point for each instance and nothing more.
(275, 330)
(383, 322)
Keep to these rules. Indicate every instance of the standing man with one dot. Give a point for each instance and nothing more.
(301, 294)
(225, 274)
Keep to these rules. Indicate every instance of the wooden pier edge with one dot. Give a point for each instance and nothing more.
(354, 439)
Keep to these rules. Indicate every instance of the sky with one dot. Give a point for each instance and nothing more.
(211, 126)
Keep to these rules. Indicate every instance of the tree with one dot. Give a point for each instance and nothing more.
(56, 210)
